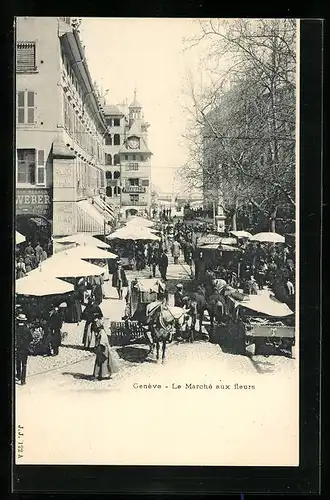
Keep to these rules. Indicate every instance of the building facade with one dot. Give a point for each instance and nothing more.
(135, 162)
(116, 123)
(60, 132)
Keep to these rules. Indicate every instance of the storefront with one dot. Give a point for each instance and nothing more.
(34, 214)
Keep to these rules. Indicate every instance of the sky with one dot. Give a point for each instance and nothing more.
(147, 55)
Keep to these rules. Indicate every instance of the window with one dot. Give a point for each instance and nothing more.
(26, 166)
(132, 166)
(116, 140)
(134, 157)
(116, 160)
(25, 107)
(108, 140)
(141, 158)
(108, 175)
(26, 56)
(116, 174)
(116, 191)
(41, 171)
(108, 121)
(108, 159)
(108, 191)
(116, 122)
(126, 157)
(134, 198)
(133, 182)
(145, 182)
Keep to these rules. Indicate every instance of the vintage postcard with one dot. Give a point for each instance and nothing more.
(156, 290)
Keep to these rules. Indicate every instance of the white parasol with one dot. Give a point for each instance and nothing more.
(19, 238)
(268, 238)
(89, 252)
(133, 233)
(139, 221)
(83, 239)
(241, 234)
(63, 265)
(41, 284)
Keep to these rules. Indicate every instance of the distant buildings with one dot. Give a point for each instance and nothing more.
(60, 133)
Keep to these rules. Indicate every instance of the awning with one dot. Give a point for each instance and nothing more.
(89, 219)
(103, 208)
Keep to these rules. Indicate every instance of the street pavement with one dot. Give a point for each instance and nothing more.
(146, 392)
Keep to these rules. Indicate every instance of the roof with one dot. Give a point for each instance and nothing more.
(135, 128)
(135, 104)
(142, 149)
(112, 110)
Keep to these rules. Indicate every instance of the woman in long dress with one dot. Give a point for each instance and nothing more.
(106, 362)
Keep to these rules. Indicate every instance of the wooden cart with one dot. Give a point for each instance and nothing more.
(261, 321)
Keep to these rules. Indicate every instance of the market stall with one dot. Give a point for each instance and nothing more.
(128, 241)
(36, 294)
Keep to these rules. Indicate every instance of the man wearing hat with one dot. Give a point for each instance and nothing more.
(119, 280)
(178, 296)
(23, 339)
(55, 324)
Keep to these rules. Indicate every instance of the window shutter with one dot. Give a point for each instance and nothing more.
(26, 56)
(41, 172)
(30, 106)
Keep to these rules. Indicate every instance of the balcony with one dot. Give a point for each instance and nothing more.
(128, 203)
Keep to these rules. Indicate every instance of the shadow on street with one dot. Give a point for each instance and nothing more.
(79, 376)
(133, 354)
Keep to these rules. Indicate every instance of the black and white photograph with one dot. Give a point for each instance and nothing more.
(157, 241)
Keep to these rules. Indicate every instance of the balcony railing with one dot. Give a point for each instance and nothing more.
(135, 203)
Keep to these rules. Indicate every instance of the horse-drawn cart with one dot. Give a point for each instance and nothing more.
(141, 293)
(132, 328)
(261, 321)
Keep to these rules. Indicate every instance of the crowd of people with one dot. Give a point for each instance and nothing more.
(28, 257)
(247, 268)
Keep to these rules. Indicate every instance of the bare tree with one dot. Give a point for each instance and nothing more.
(248, 130)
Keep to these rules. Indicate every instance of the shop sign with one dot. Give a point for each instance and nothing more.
(34, 201)
(134, 189)
(209, 239)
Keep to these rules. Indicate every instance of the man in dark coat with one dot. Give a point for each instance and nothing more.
(178, 296)
(23, 339)
(91, 312)
(163, 264)
(119, 279)
(55, 325)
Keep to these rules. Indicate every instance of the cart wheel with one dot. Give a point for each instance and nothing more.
(240, 342)
(257, 346)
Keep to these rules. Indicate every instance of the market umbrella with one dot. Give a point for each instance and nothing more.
(133, 233)
(41, 284)
(89, 252)
(241, 234)
(140, 221)
(63, 265)
(268, 238)
(83, 239)
(19, 238)
(228, 241)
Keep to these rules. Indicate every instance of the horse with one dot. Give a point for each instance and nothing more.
(196, 305)
(161, 318)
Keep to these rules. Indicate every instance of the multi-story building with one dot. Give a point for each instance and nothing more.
(60, 133)
(135, 163)
(116, 122)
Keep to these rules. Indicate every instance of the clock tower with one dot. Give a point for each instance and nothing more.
(135, 161)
